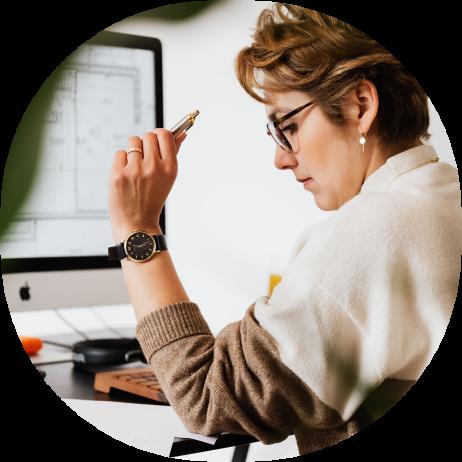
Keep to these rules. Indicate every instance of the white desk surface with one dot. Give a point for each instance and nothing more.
(147, 427)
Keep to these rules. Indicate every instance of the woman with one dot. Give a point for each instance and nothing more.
(367, 294)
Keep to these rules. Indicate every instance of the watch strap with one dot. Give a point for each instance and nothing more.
(117, 252)
(161, 242)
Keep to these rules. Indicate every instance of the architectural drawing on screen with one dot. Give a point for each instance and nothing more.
(104, 94)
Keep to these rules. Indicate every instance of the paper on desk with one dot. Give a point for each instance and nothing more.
(148, 427)
(51, 354)
(183, 433)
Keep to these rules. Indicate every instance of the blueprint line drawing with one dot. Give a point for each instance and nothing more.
(103, 95)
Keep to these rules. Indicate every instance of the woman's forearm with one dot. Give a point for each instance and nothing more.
(141, 178)
(152, 284)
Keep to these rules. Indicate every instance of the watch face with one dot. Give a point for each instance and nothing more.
(140, 246)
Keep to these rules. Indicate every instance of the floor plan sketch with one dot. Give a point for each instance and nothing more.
(104, 94)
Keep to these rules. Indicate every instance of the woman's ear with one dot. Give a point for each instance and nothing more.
(366, 102)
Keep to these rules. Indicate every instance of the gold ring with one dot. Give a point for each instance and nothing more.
(132, 149)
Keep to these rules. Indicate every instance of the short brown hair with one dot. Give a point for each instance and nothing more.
(296, 48)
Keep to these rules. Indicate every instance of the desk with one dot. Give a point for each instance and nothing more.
(71, 383)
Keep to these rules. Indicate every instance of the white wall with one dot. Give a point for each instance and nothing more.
(231, 216)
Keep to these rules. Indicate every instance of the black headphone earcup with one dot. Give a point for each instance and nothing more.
(106, 352)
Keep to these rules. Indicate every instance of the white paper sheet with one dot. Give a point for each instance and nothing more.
(148, 427)
(51, 354)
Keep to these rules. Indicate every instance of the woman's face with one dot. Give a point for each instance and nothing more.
(330, 156)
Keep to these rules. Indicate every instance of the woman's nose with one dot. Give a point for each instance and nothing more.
(284, 159)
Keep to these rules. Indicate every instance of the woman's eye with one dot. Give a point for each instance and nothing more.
(292, 128)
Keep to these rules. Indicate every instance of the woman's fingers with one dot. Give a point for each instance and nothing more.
(179, 139)
(155, 146)
(119, 162)
(134, 157)
(152, 156)
(167, 149)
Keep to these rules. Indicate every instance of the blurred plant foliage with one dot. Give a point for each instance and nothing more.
(23, 158)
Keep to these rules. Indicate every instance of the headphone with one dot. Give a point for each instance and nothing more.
(90, 354)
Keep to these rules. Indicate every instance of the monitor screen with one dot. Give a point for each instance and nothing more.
(107, 90)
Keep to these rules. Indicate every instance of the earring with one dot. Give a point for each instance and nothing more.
(362, 140)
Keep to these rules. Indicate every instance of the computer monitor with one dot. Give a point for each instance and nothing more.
(54, 255)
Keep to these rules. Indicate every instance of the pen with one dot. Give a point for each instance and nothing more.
(184, 124)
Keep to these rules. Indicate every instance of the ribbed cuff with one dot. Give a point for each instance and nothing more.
(170, 323)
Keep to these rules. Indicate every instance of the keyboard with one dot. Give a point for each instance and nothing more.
(139, 381)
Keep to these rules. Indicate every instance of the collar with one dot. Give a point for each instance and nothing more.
(397, 165)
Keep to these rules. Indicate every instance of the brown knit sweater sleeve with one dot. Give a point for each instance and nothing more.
(234, 382)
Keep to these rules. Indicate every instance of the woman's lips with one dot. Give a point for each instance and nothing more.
(306, 181)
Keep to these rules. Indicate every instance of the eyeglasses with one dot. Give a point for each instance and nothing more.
(277, 133)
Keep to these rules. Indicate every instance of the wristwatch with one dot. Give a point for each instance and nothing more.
(139, 246)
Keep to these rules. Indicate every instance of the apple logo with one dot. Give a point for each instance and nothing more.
(24, 292)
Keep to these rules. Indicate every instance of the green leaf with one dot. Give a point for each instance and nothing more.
(24, 154)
